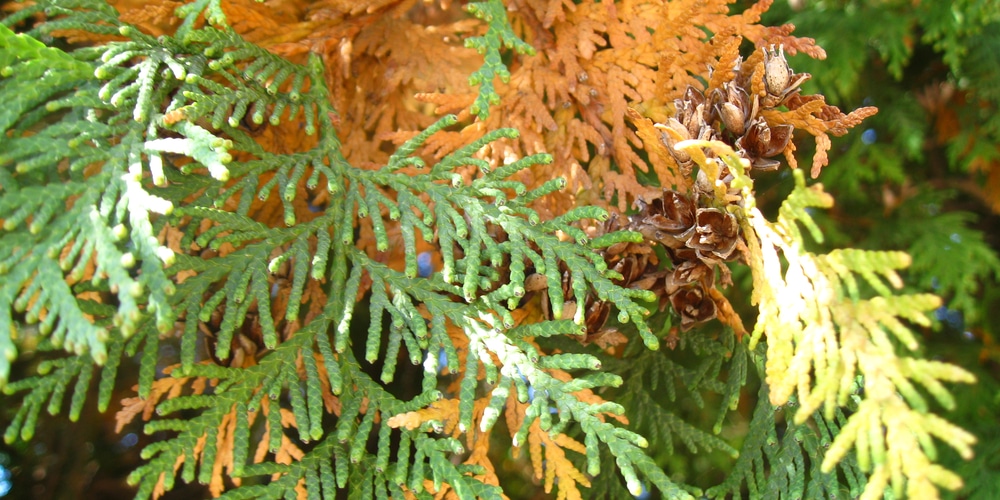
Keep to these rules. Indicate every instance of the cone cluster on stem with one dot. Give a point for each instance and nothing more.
(697, 229)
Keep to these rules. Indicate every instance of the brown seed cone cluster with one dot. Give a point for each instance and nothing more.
(697, 240)
(696, 226)
(697, 230)
(732, 114)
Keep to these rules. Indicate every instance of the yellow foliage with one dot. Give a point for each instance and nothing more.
(822, 333)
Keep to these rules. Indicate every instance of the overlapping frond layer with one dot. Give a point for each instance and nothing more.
(374, 229)
(270, 246)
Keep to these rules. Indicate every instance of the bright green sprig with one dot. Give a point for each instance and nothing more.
(211, 9)
(498, 32)
(50, 386)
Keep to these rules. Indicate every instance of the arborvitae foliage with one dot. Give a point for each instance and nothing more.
(931, 152)
(242, 181)
(923, 175)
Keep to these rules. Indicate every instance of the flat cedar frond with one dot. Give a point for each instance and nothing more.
(156, 18)
(782, 36)
(727, 46)
(547, 454)
(457, 103)
(224, 458)
(726, 314)
(373, 228)
(266, 26)
(661, 160)
(288, 451)
(814, 115)
(820, 158)
(479, 445)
